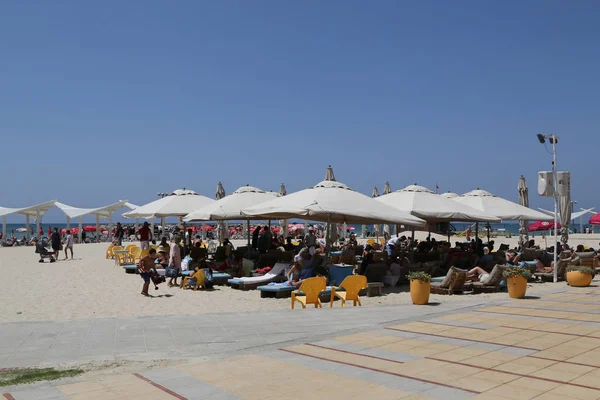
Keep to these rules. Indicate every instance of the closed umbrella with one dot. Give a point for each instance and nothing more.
(283, 222)
(221, 226)
(387, 189)
(565, 215)
(524, 201)
(375, 195)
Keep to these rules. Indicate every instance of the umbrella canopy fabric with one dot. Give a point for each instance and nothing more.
(504, 209)
(523, 200)
(425, 204)
(230, 207)
(331, 201)
(542, 226)
(595, 220)
(181, 202)
(449, 195)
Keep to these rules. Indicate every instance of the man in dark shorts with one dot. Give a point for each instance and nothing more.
(56, 244)
(146, 268)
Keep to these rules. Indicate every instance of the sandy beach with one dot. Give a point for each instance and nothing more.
(93, 287)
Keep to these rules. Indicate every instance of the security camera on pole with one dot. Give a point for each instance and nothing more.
(547, 186)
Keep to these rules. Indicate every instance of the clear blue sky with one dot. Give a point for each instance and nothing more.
(101, 101)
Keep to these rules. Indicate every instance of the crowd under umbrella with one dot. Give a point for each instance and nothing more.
(332, 202)
(178, 204)
(523, 200)
(433, 208)
(230, 207)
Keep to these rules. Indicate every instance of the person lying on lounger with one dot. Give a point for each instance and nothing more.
(477, 274)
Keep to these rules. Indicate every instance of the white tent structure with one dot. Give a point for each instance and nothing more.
(574, 216)
(333, 202)
(105, 212)
(230, 207)
(178, 204)
(35, 212)
(425, 204)
(504, 209)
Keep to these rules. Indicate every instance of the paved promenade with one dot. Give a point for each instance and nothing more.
(545, 348)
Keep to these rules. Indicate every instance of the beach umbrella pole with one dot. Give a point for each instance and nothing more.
(248, 235)
(80, 229)
(477, 236)
(27, 227)
(4, 227)
(98, 227)
(37, 224)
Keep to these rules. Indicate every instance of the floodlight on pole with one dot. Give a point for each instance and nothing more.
(553, 139)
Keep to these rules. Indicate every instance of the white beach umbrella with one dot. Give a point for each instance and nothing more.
(523, 200)
(230, 207)
(178, 204)
(504, 209)
(333, 202)
(449, 195)
(425, 204)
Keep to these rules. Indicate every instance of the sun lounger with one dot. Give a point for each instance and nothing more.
(278, 291)
(276, 274)
(491, 284)
(452, 283)
(130, 269)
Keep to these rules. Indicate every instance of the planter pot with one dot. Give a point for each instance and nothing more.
(579, 279)
(419, 292)
(517, 286)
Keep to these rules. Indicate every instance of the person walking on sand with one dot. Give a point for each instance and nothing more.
(175, 259)
(146, 267)
(68, 245)
(145, 236)
(56, 243)
(119, 233)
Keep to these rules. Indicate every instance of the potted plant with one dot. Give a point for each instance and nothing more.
(516, 281)
(420, 284)
(579, 276)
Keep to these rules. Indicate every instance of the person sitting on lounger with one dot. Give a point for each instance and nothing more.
(294, 274)
(477, 274)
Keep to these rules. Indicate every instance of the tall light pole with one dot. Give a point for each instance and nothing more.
(553, 140)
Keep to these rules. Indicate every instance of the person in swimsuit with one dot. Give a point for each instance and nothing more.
(146, 267)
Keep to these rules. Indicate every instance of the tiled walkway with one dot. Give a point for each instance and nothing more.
(543, 349)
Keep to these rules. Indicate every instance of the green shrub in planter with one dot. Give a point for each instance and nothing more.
(583, 270)
(422, 276)
(516, 271)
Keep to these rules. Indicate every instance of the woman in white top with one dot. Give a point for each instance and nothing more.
(175, 258)
(69, 245)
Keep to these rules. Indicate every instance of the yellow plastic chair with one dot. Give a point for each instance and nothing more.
(310, 287)
(129, 247)
(144, 253)
(109, 252)
(370, 241)
(154, 246)
(352, 285)
(136, 253)
(200, 277)
(124, 259)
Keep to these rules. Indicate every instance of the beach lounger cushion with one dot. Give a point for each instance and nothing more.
(453, 270)
(494, 278)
